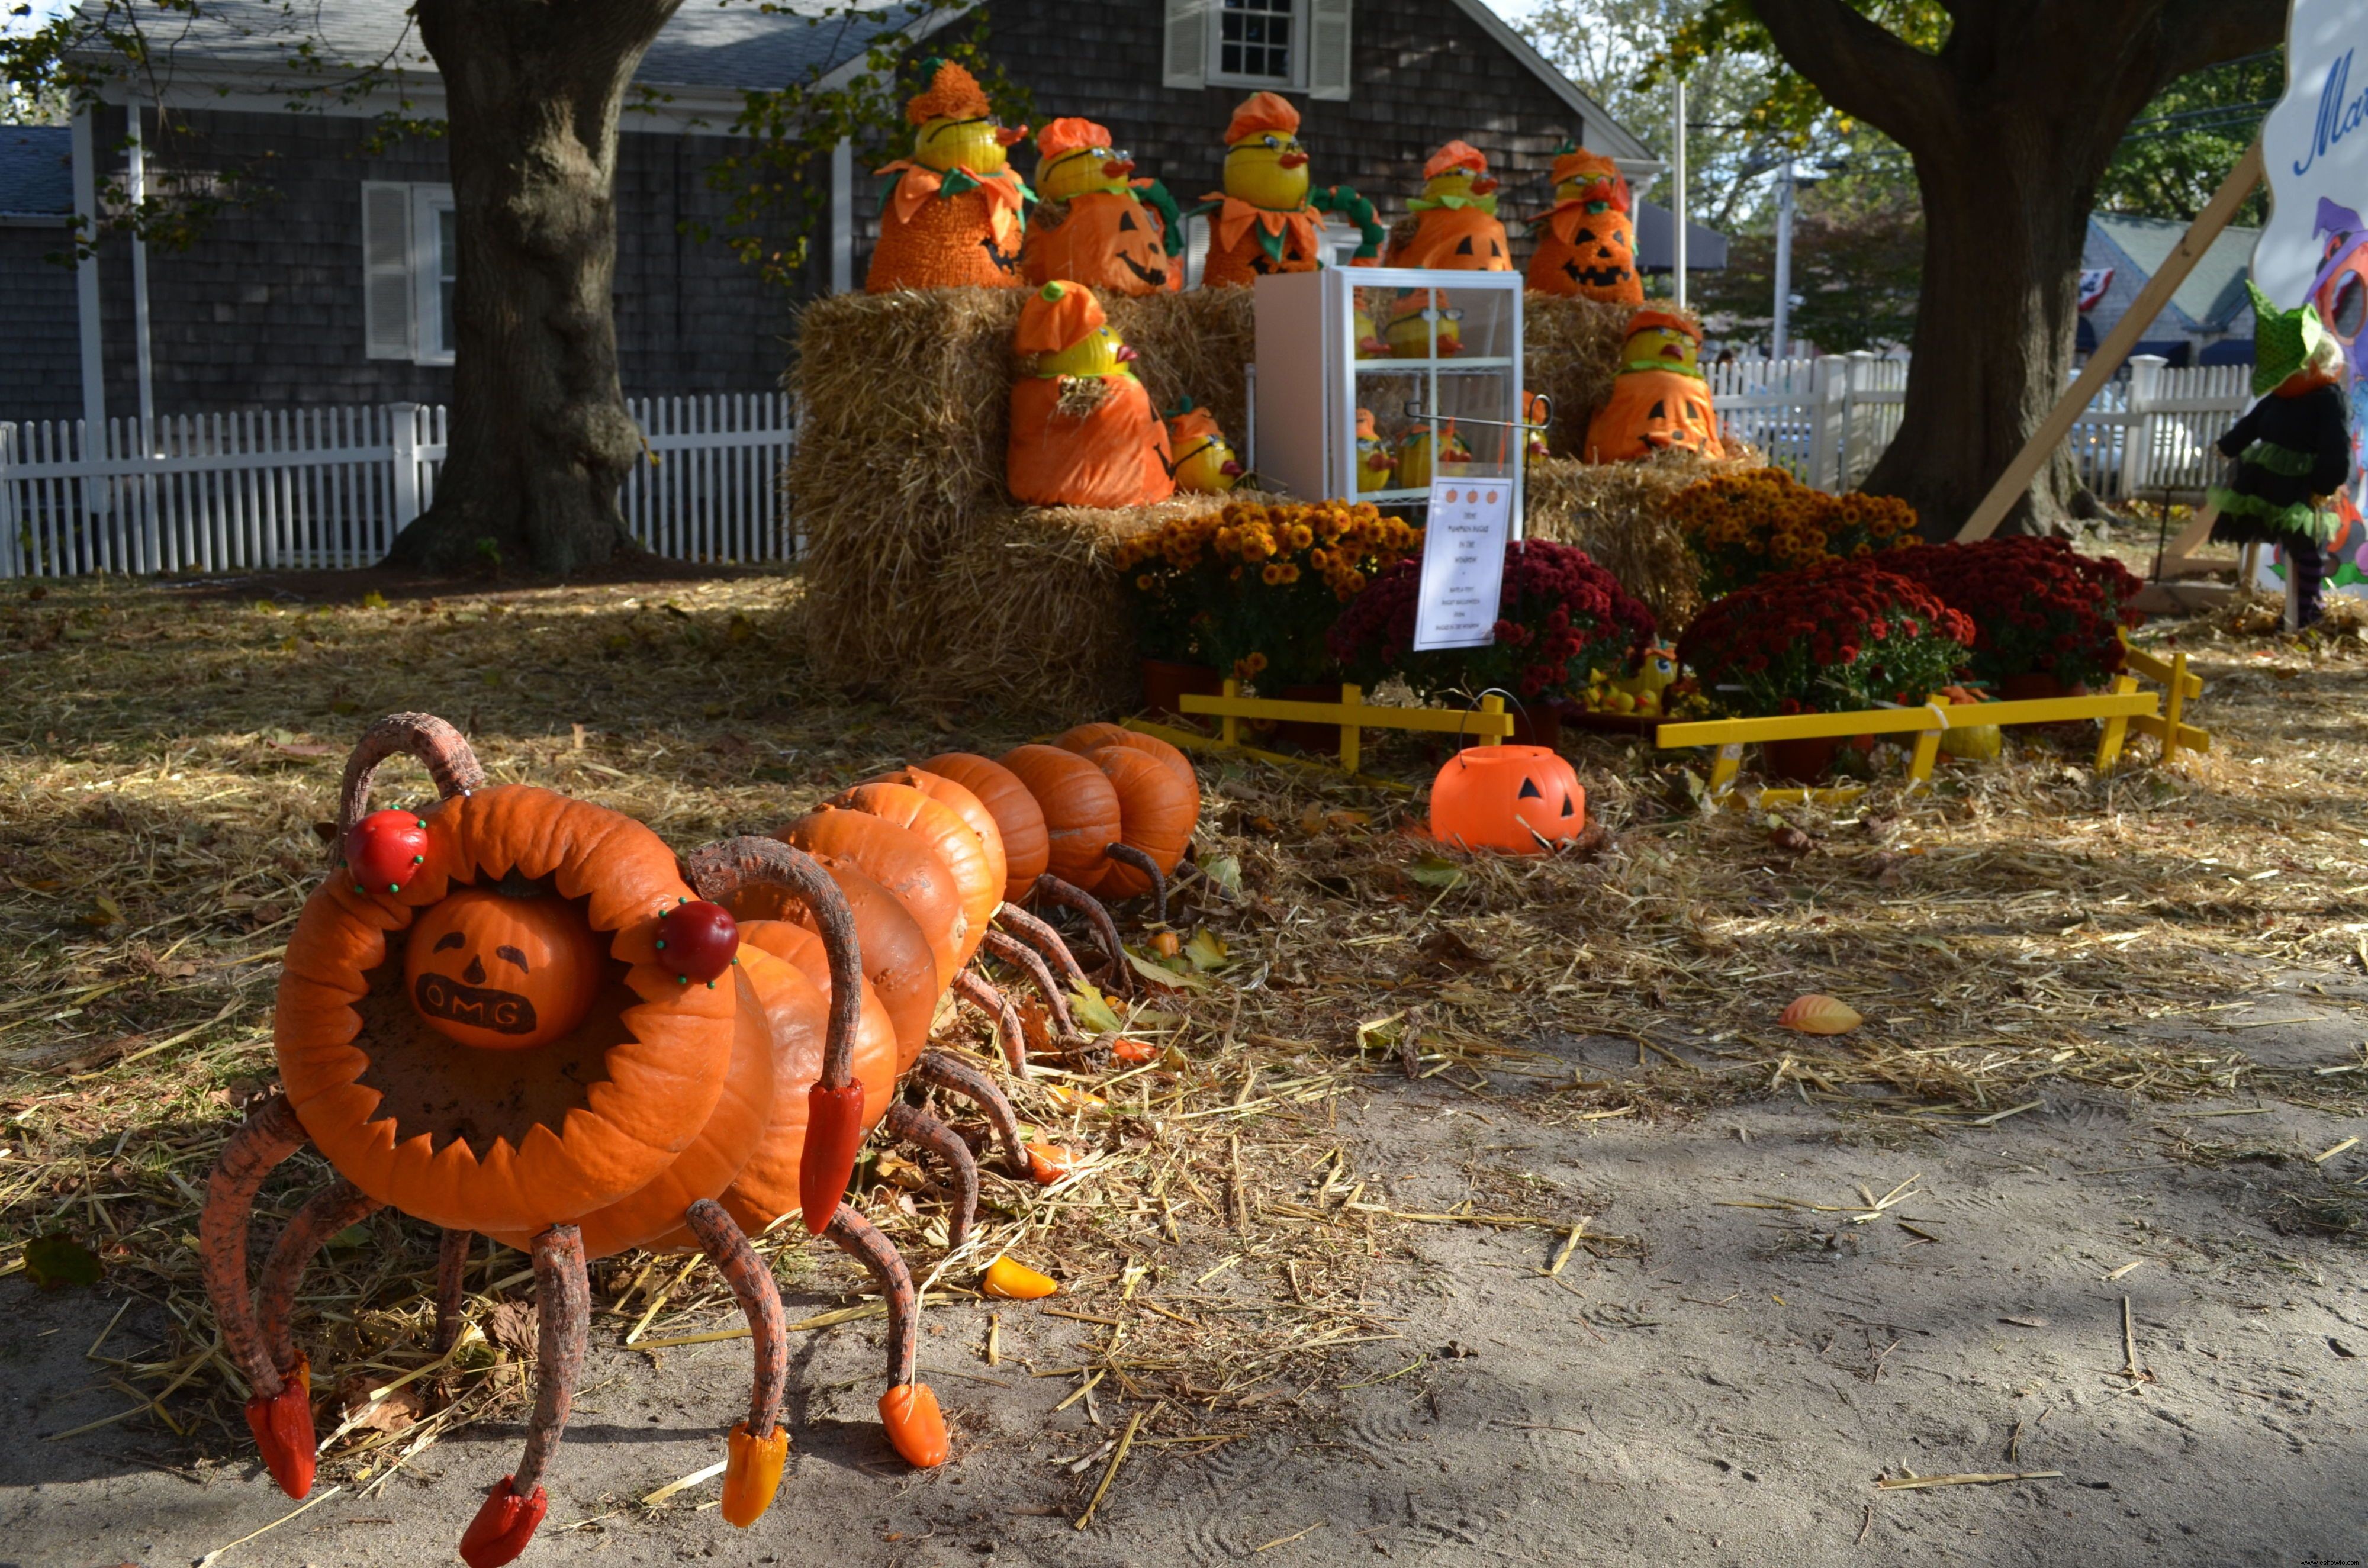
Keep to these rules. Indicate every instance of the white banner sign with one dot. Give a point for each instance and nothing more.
(1462, 562)
(2315, 247)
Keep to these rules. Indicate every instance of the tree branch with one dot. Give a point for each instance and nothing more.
(2197, 33)
(1863, 70)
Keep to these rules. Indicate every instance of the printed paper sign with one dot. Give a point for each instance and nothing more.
(1462, 562)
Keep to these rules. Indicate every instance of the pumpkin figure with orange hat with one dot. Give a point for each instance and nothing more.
(1452, 224)
(1083, 432)
(1375, 462)
(1586, 242)
(1204, 459)
(1267, 219)
(1659, 400)
(950, 214)
(1092, 223)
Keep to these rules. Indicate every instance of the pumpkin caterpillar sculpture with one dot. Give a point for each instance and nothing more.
(532, 930)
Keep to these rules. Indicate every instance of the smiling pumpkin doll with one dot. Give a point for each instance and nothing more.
(1586, 242)
(1659, 400)
(1093, 224)
(1083, 432)
(950, 214)
(1267, 219)
(1452, 224)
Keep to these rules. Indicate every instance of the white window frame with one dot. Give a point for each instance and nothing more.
(429, 202)
(1296, 80)
(416, 279)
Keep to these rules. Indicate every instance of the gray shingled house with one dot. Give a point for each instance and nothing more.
(335, 288)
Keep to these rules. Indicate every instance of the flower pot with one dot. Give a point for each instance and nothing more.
(1308, 737)
(1804, 761)
(1167, 681)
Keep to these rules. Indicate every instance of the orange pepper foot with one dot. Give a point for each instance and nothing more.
(752, 1473)
(503, 1526)
(283, 1426)
(914, 1425)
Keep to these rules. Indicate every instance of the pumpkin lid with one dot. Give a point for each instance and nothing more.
(1056, 317)
(1070, 135)
(953, 94)
(1260, 113)
(1457, 154)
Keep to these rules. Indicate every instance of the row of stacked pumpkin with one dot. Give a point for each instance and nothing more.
(956, 213)
(1084, 434)
(1821, 604)
(521, 1016)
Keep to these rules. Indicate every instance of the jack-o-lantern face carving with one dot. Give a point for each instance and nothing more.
(1519, 800)
(502, 972)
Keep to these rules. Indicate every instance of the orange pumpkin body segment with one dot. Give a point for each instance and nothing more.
(898, 961)
(959, 800)
(1020, 821)
(900, 861)
(1156, 816)
(950, 839)
(1080, 807)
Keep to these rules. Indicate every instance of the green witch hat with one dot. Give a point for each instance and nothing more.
(2283, 341)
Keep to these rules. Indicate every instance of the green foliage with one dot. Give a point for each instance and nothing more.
(2178, 151)
(1858, 266)
(779, 185)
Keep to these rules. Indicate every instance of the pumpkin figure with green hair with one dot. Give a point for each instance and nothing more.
(1267, 219)
(1083, 431)
(1092, 223)
(1586, 241)
(1452, 224)
(949, 215)
(1659, 400)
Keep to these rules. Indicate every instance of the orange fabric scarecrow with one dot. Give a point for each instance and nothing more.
(1586, 242)
(1262, 220)
(1083, 431)
(1455, 224)
(951, 216)
(1659, 400)
(1115, 235)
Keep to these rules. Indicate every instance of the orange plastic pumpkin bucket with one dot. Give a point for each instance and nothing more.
(1519, 800)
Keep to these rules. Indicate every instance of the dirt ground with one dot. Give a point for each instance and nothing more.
(1624, 1274)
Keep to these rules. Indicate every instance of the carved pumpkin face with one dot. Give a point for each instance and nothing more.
(502, 972)
(1506, 797)
(1457, 239)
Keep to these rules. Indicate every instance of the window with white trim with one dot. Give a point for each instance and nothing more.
(410, 262)
(1290, 45)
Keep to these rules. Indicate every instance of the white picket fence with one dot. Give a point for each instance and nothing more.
(1829, 419)
(331, 487)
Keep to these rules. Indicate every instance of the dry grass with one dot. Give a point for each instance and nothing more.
(167, 756)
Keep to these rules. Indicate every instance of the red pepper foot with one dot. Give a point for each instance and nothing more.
(503, 1526)
(283, 1426)
(910, 1413)
(752, 1474)
(834, 1137)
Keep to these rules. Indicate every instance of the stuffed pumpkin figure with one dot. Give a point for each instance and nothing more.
(1415, 468)
(1204, 460)
(1659, 399)
(1452, 224)
(1586, 242)
(950, 214)
(1083, 432)
(1093, 224)
(1413, 315)
(1267, 219)
(1375, 462)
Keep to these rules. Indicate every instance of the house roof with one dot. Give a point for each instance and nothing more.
(36, 170)
(2214, 294)
(731, 45)
(1604, 135)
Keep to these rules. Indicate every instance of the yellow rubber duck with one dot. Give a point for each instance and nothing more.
(1414, 456)
(952, 216)
(1204, 462)
(1411, 316)
(1374, 462)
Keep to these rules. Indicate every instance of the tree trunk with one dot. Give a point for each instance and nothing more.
(2010, 123)
(539, 438)
(2006, 214)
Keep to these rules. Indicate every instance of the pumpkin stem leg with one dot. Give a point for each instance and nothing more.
(908, 1409)
(957, 1075)
(973, 987)
(562, 1304)
(911, 1124)
(440, 748)
(1128, 855)
(1044, 938)
(1020, 956)
(1051, 889)
(280, 1413)
(325, 1213)
(760, 1446)
(451, 1288)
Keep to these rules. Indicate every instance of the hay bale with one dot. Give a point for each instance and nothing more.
(1618, 513)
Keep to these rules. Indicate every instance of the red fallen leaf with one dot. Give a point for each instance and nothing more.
(1133, 1052)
